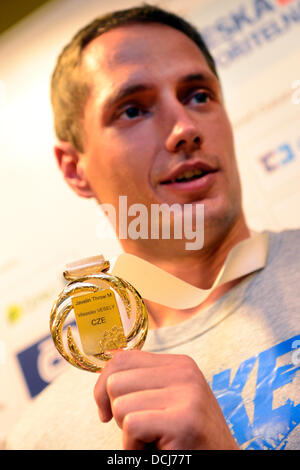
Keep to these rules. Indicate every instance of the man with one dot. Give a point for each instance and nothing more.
(139, 112)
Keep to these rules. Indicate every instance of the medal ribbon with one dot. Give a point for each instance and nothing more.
(158, 286)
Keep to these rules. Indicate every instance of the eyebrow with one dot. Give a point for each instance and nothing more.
(199, 77)
(128, 90)
(125, 91)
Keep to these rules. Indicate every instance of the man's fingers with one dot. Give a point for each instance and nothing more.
(142, 428)
(134, 380)
(140, 401)
(133, 362)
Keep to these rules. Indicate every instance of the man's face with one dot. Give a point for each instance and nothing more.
(155, 126)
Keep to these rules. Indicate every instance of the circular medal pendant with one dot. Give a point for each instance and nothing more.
(110, 315)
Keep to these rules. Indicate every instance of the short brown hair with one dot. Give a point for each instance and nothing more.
(69, 89)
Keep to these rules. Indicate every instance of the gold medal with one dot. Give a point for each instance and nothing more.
(110, 315)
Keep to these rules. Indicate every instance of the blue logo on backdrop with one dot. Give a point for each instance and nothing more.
(278, 157)
(40, 364)
(249, 26)
(282, 155)
(270, 426)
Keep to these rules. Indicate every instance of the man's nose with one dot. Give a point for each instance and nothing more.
(184, 135)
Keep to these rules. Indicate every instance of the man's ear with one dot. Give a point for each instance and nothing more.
(69, 162)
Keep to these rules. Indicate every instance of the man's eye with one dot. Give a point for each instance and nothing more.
(131, 112)
(201, 97)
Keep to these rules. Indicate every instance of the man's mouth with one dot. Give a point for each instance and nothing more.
(189, 179)
(188, 171)
(186, 177)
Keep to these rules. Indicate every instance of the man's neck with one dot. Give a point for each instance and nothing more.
(197, 268)
(201, 269)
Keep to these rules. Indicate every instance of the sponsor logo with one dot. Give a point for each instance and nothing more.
(282, 155)
(40, 364)
(14, 313)
(16, 310)
(249, 26)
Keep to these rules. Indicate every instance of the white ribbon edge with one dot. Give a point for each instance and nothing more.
(158, 286)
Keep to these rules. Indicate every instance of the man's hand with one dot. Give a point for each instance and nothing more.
(161, 398)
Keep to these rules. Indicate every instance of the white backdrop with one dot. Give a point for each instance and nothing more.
(43, 225)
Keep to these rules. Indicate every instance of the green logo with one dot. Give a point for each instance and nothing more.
(14, 313)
